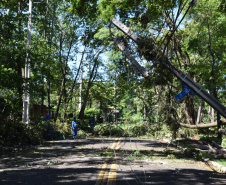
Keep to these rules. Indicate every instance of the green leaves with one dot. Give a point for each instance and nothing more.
(85, 8)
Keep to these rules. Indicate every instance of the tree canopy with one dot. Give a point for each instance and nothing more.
(76, 69)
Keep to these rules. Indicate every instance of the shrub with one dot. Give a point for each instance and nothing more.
(223, 143)
(106, 130)
(61, 129)
(14, 132)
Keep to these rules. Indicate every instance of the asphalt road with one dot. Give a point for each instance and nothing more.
(103, 161)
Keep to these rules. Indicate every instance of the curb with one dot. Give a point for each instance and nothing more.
(219, 167)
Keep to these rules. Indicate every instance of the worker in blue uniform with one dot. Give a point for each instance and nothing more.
(49, 129)
(92, 124)
(74, 125)
(46, 118)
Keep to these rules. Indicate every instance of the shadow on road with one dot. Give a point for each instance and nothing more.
(80, 161)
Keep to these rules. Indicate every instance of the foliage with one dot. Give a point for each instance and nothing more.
(223, 143)
(61, 129)
(186, 133)
(220, 161)
(82, 133)
(92, 112)
(66, 42)
(109, 130)
(15, 133)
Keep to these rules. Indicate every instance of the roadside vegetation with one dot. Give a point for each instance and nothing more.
(76, 70)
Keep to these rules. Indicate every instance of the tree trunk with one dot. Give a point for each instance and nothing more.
(19, 66)
(92, 77)
(199, 114)
(80, 88)
(222, 131)
(74, 82)
(190, 110)
(214, 76)
(26, 97)
(48, 67)
(200, 126)
(212, 115)
(43, 84)
(64, 72)
(144, 105)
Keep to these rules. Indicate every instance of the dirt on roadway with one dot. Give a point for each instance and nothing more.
(100, 161)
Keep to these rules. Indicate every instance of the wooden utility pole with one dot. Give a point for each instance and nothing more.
(26, 96)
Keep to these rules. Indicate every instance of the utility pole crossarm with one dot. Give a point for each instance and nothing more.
(127, 31)
(122, 47)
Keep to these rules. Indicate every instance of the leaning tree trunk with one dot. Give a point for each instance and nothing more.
(74, 82)
(64, 71)
(92, 77)
(82, 109)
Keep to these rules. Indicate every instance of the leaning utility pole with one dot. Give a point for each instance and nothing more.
(26, 96)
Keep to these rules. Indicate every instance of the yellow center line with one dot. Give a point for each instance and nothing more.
(113, 174)
(113, 170)
(118, 144)
(101, 174)
(113, 145)
(114, 167)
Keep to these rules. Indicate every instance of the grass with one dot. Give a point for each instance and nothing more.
(138, 155)
(220, 161)
(107, 154)
(52, 162)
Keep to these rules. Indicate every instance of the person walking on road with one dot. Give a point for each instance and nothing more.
(74, 125)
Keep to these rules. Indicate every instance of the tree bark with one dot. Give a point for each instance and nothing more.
(190, 110)
(80, 87)
(201, 126)
(199, 114)
(220, 156)
(216, 145)
(213, 151)
(222, 131)
(48, 67)
(212, 115)
(92, 77)
(42, 67)
(74, 82)
(26, 96)
(64, 72)
(214, 76)
(19, 67)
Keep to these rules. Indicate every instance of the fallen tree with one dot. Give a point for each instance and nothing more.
(211, 150)
(218, 153)
(222, 131)
(204, 125)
